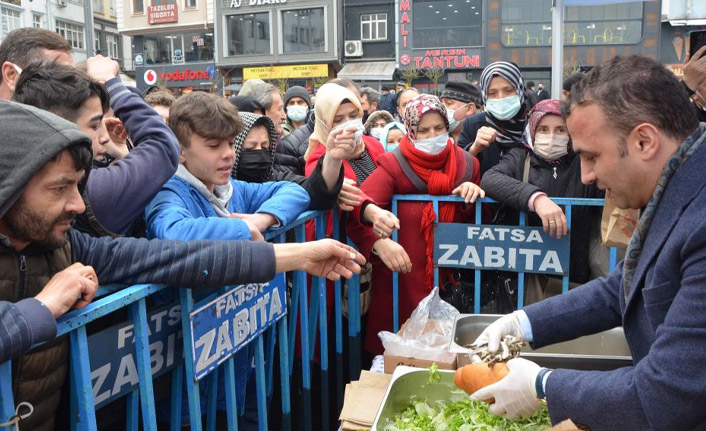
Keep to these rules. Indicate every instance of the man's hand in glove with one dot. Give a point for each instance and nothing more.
(506, 325)
(516, 394)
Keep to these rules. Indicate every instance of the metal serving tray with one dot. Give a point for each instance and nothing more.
(604, 351)
(409, 384)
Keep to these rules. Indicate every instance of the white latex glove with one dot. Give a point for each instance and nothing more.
(506, 325)
(516, 394)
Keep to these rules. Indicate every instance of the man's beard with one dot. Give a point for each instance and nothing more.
(30, 226)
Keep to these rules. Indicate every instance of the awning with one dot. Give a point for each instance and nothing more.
(369, 71)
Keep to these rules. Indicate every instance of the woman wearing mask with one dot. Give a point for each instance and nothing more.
(551, 168)
(500, 128)
(297, 103)
(338, 112)
(391, 135)
(376, 121)
(439, 168)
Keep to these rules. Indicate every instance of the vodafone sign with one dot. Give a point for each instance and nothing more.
(176, 76)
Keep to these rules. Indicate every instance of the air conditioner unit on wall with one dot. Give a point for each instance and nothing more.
(353, 48)
(61, 3)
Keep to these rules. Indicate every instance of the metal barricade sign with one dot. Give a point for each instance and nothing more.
(507, 248)
(225, 325)
(112, 353)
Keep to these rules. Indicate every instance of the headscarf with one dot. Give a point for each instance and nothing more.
(419, 106)
(437, 170)
(386, 132)
(375, 116)
(328, 99)
(509, 131)
(540, 110)
(251, 120)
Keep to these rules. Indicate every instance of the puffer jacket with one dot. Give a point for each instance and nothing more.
(289, 155)
(504, 183)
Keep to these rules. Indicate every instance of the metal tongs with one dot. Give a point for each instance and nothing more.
(510, 348)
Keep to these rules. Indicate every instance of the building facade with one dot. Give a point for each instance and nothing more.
(463, 36)
(172, 43)
(293, 42)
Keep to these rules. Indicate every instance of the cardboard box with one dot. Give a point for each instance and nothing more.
(391, 362)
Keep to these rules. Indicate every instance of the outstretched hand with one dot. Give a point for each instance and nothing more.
(324, 258)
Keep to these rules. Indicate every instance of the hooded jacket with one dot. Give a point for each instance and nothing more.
(32, 138)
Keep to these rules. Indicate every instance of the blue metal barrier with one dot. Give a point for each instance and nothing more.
(567, 203)
(309, 305)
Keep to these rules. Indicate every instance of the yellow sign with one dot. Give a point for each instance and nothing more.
(283, 72)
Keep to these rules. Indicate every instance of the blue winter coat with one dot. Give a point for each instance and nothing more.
(180, 211)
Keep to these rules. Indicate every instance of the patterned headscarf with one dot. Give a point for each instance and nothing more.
(251, 120)
(509, 131)
(540, 110)
(419, 106)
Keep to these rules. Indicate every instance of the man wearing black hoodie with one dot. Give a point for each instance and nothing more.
(43, 160)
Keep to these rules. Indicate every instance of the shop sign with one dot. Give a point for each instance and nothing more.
(506, 248)
(162, 14)
(111, 353)
(238, 3)
(139, 60)
(228, 323)
(175, 76)
(178, 56)
(283, 72)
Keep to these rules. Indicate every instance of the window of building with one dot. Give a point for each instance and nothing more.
(447, 23)
(373, 26)
(98, 6)
(97, 41)
(249, 33)
(112, 8)
(138, 6)
(529, 23)
(36, 20)
(198, 46)
(304, 30)
(162, 2)
(11, 20)
(72, 32)
(158, 49)
(190, 4)
(111, 43)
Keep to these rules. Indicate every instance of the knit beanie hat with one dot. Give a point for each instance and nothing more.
(297, 91)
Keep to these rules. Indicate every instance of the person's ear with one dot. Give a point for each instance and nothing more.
(646, 140)
(182, 159)
(10, 75)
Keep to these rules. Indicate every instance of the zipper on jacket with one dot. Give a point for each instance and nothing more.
(21, 279)
(555, 174)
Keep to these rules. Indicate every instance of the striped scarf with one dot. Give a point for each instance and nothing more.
(637, 242)
(509, 131)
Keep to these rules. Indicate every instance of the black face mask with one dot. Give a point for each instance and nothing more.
(253, 165)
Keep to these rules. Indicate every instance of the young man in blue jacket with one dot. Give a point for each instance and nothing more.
(116, 195)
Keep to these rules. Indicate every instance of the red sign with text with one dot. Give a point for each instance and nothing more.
(162, 14)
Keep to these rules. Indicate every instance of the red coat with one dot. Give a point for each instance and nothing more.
(388, 180)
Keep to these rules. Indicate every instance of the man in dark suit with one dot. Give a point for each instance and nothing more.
(542, 94)
(639, 139)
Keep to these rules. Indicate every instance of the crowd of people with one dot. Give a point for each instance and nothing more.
(103, 184)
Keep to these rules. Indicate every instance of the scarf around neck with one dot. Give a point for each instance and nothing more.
(220, 197)
(637, 241)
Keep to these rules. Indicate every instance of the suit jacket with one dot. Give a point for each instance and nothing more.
(664, 318)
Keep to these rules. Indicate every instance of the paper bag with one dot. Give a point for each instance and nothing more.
(617, 225)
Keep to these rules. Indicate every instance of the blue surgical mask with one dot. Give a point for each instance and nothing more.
(296, 113)
(433, 145)
(503, 109)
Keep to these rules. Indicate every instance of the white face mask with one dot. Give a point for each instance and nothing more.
(296, 113)
(551, 147)
(358, 122)
(433, 145)
(453, 124)
(377, 132)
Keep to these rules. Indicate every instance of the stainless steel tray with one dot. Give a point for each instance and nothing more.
(607, 350)
(409, 384)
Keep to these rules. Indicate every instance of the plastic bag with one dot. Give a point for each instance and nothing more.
(427, 333)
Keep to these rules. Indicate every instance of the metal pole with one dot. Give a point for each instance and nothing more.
(557, 48)
(88, 19)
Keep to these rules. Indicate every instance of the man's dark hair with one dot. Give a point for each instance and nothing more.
(59, 89)
(373, 94)
(572, 80)
(24, 45)
(160, 98)
(631, 90)
(206, 115)
(530, 84)
(81, 156)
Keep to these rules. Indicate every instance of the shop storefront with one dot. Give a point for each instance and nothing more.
(294, 42)
(193, 77)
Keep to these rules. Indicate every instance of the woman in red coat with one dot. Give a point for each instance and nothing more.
(439, 168)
